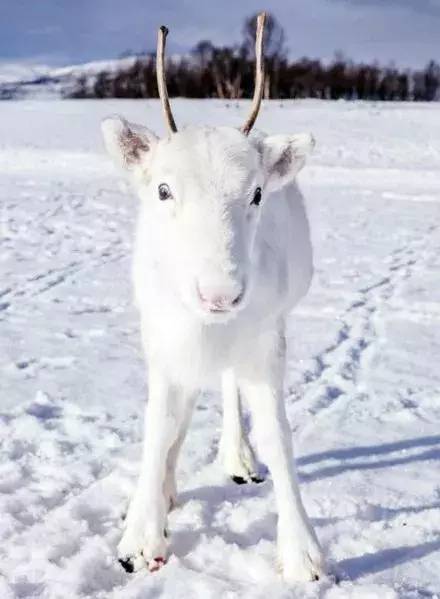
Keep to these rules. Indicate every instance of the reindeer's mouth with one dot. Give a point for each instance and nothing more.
(218, 316)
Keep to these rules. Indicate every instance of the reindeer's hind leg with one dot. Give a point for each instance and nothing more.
(169, 487)
(235, 450)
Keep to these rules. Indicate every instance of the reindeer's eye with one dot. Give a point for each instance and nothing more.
(164, 192)
(257, 197)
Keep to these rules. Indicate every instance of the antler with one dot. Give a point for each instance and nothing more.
(161, 81)
(259, 75)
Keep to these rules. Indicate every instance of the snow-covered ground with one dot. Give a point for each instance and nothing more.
(363, 385)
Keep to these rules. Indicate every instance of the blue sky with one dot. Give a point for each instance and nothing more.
(69, 31)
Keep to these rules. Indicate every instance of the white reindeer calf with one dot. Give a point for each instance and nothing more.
(222, 255)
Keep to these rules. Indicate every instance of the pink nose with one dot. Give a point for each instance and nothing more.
(217, 301)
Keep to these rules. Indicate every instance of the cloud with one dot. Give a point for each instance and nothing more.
(428, 7)
(403, 30)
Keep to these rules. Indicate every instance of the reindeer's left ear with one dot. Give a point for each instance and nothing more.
(284, 156)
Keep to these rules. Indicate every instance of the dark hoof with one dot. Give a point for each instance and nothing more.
(127, 564)
(239, 480)
(257, 479)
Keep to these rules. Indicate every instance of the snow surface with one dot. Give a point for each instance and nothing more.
(363, 381)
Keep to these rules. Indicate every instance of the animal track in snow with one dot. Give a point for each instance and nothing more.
(340, 366)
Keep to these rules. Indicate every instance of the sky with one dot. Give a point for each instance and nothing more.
(61, 32)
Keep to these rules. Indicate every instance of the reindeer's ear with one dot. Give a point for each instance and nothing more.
(128, 144)
(284, 156)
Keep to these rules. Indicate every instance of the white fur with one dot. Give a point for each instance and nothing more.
(196, 253)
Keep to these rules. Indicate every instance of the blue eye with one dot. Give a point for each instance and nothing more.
(257, 197)
(164, 192)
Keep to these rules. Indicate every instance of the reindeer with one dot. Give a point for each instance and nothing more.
(222, 255)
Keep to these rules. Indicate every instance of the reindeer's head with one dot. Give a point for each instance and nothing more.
(204, 190)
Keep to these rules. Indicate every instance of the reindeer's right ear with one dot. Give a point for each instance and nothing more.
(128, 144)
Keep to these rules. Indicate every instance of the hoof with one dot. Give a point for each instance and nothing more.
(127, 565)
(239, 480)
(305, 563)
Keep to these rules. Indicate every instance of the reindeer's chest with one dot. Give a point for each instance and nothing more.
(192, 353)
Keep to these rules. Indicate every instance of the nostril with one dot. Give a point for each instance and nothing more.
(238, 299)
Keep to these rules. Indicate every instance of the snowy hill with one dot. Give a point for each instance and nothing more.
(362, 391)
(19, 81)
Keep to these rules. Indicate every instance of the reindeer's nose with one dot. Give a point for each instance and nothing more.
(217, 299)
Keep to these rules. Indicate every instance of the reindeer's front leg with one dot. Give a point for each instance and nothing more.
(144, 538)
(299, 551)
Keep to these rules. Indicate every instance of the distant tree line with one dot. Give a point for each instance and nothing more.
(227, 72)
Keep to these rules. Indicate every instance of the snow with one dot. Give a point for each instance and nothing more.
(362, 388)
(38, 81)
(20, 72)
